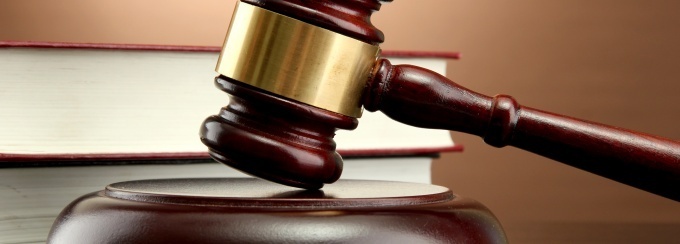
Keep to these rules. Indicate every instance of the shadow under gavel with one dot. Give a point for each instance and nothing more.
(279, 124)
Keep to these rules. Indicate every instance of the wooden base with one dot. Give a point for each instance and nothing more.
(252, 210)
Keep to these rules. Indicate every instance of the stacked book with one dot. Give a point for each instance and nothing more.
(77, 117)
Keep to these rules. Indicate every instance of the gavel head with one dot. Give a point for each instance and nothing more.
(296, 71)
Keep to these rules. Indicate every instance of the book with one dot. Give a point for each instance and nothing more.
(77, 117)
(65, 102)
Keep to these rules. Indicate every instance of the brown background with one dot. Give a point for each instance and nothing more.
(612, 61)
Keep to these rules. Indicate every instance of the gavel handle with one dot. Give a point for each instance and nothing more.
(423, 98)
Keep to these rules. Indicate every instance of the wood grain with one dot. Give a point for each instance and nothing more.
(422, 98)
(255, 211)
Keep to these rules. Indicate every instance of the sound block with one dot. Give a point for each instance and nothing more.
(250, 210)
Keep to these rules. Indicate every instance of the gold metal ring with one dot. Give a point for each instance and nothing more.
(296, 60)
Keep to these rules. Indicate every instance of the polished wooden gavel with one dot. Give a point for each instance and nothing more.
(298, 70)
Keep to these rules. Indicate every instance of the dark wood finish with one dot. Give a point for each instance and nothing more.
(350, 17)
(247, 127)
(257, 193)
(275, 138)
(422, 98)
(279, 139)
(256, 211)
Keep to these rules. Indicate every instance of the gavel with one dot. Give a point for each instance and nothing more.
(299, 70)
